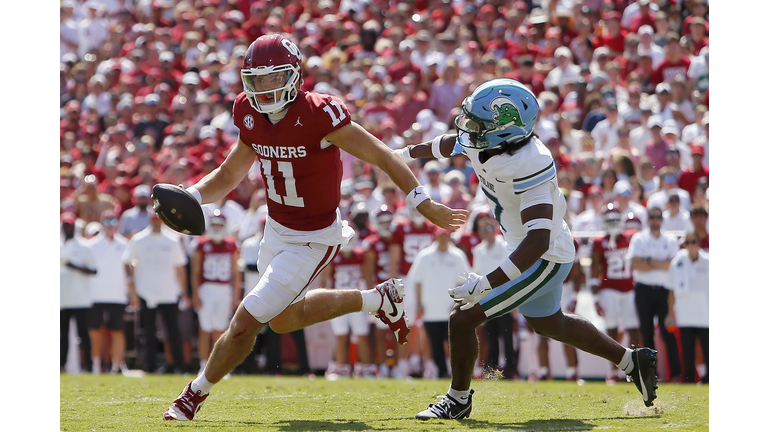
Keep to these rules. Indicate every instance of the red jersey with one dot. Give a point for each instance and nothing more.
(615, 266)
(467, 241)
(347, 270)
(302, 171)
(668, 70)
(380, 247)
(217, 260)
(412, 240)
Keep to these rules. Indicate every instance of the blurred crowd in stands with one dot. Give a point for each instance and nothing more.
(147, 89)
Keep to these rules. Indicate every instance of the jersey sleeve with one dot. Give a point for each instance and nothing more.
(238, 112)
(534, 172)
(329, 113)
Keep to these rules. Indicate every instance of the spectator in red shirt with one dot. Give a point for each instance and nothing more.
(527, 75)
(499, 44)
(407, 104)
(522, 46)
(564, 20)
(403, 66)
(377, 108)
(698, 35)
(689, 177)
(629, 59)
(656, 147)
(674, 63)
(613, 35)
(645, 16)
(699, 215)
(699, 9)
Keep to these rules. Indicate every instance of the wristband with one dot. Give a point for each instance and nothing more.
(196, 193)
(417, 196)
(594, 282)
(510, 269)
(405, 154)
(541, 223)
(436, 147)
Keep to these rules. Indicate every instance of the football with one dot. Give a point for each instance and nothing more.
(178, 209)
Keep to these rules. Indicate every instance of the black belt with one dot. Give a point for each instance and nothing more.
(651, 286)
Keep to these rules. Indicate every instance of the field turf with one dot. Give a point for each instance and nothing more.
(259, 403)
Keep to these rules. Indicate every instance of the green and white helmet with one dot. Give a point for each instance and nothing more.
(500, 111)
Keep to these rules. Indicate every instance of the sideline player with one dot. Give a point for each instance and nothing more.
(375, 271)
(409, 237)
(297, 136)
(215, 283)
(517, 174)
(612, 283)
(346, 272)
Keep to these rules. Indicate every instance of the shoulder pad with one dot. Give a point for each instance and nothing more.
(533, 172)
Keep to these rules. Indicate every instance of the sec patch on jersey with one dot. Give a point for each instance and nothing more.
(178, 209)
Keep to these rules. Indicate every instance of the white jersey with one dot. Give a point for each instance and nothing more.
(505, 179)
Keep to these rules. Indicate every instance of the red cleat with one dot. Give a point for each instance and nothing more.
(186, 405)
(391, 311)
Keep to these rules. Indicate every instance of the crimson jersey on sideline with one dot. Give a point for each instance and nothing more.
(347, 270)
(615, 266)
(380, 247)
(217, 260)
(466, 242)
(412, 240)
(301, 171)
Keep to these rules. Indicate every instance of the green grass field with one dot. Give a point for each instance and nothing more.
(257, 403)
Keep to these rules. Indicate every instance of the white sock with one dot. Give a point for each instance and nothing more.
(201, 384)
(96, 364)
(570, 372)
(202, 365)
(460, 395)
(626, 364)
(371, 300)
(543, 370)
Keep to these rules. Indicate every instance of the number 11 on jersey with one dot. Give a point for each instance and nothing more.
(291, 198)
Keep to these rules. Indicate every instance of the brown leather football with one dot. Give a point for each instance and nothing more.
(178, 209)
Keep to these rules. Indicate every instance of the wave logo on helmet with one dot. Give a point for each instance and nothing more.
(505, 112)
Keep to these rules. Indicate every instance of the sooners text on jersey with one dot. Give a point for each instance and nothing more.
(615, 266)
(302, 171)
(217, 260)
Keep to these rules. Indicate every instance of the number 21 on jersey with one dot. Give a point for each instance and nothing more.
(291, 198)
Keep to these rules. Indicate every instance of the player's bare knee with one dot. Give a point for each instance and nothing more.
(243, 325)
(464, 319)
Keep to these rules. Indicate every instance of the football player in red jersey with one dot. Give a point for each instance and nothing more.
(409, 237)
(612, 281)
(215, 283)
(297, 137)
(346, 272)
(375, 271)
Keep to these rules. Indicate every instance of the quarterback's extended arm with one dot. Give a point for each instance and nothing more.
(356, 141)
(222, 180)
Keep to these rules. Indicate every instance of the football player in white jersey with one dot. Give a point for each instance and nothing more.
(517, 174)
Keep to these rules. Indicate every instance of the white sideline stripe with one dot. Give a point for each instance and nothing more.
(522, 293)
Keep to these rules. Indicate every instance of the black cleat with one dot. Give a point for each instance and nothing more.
(644, 373)
(447, 408)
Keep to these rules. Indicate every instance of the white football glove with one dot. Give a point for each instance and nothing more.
(472, 291)
(405, 153)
